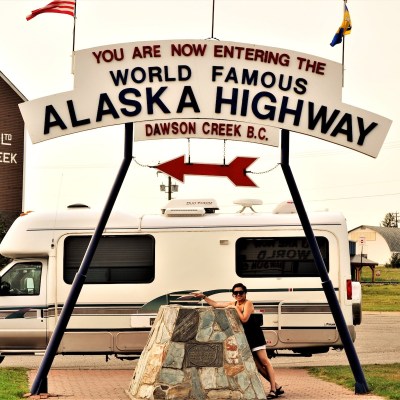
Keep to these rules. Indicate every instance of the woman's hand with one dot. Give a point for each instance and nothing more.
(198, 295)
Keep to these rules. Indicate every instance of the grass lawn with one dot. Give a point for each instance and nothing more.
(382, 380)
(13, 383)
(381, 297)
(385, 274)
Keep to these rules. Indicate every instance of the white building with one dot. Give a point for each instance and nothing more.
(377, 243)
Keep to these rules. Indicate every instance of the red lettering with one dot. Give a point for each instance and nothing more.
(188, 49)
(219, 129)
(250, 132)
(315, 67)
(147, 51)
(97, 56)
(148, 129)
(260, 133)
(109, 55)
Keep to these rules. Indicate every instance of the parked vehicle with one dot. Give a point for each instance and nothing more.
(145, 261)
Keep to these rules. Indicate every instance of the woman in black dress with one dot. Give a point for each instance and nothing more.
(253, 332)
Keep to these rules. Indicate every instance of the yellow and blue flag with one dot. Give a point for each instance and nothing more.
(344, 29)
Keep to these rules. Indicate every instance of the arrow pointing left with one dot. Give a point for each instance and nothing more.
(235, 171)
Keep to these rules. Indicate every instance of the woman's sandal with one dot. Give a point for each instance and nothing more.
(272, 395)
(279, 391)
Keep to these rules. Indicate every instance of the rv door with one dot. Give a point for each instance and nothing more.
(23, 307)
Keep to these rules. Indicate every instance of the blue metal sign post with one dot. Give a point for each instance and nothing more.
(40, 383)
(361, 386)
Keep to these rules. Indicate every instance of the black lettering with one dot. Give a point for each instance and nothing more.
(285, 110)
(271, 109)
(130, 102)
(192, 103)
(182, 76)
(104, 101)
(364, 132)
(119, 77)
(249, 79)
(216, 71)
(219, 100)
(155, 99)
(321, 116)
(72, 114)
(231, 75)
(300, 87)
(282, 85)
(50, 112)
(348, 131)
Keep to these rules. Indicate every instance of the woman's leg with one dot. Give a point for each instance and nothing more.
(267, 367)
(263, 372)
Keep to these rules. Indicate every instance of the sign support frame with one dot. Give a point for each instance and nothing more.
(40, 383)
(361, 386)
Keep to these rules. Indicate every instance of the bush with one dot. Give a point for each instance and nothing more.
(2, 233)
(4, 226)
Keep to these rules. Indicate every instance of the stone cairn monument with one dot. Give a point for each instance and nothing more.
(196, 353)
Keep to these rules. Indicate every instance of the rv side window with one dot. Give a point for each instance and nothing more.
(118, 259)
(23, 279)
(278, 257)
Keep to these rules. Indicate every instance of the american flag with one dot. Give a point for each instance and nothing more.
(56, 6)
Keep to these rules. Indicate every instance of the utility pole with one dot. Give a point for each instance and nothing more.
(170, 188)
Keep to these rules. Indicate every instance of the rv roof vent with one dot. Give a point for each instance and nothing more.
(78, 205)
(185, 212)
(208, 205)
(248, 203)
(286, 207)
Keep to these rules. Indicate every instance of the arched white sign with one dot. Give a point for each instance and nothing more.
(206, 80)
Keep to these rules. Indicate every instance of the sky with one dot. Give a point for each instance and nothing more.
(36, 56)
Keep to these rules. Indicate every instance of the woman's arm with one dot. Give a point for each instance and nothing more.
(248, 309)
(211, 302)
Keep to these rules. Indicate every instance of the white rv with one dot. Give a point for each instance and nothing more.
(145, 261)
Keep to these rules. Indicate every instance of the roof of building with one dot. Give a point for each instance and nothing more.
(357, 260)
(391, 235)
(9, 83)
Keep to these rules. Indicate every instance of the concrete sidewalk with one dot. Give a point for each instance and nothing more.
(113, 385)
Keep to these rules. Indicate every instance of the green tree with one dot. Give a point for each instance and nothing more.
(390, 220)
(394, 261)
(3, 230)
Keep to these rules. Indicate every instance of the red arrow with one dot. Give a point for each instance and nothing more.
(235, 171)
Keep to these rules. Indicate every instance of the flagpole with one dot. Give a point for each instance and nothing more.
(212, 26)
(343, 63)
(73, 42)
(344, 10)
(73, 36)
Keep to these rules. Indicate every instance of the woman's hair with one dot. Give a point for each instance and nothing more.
(239, 285)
